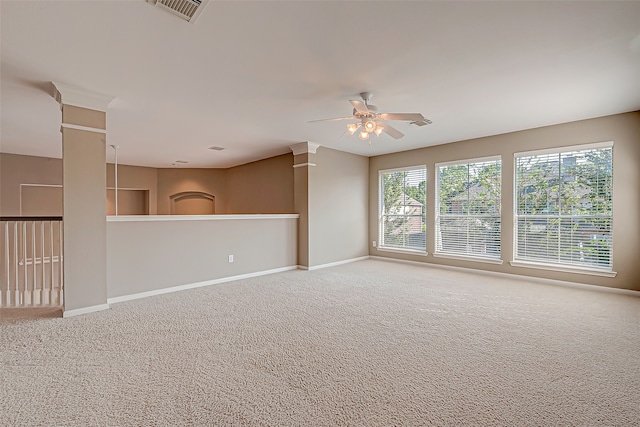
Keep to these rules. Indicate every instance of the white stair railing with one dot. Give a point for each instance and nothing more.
(31, 262)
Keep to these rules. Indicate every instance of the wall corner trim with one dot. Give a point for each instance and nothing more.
(304, 147)
(300, 165)
(85, 310)
(70, 95)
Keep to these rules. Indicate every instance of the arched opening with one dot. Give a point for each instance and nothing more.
(193, 203)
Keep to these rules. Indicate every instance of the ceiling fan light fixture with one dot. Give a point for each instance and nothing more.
(352, 128)
(370, 126)
(368, 120)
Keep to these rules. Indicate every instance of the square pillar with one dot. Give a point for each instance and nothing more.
(303, 156)
(84, 199)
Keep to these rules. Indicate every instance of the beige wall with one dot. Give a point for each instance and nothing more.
(623, 129)
(138, 178)
(145, 256)
(37, 200)
(338, 206)
(130, 202)
(265, 186)
(16, 170)
(173, 181)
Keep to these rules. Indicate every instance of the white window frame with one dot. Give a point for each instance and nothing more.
(560, 267)
(465, 257)
(381, 246)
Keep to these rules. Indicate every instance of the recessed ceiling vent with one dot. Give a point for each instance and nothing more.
(216, 148)
(185, 9)
(421, 122)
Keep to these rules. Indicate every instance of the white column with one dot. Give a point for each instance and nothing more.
(84, 198)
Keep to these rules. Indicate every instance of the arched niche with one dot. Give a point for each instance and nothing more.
(193, 203)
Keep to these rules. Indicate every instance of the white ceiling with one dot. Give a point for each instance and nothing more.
(248, 76)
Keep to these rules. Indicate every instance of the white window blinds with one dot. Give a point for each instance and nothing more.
(468, 208)
(402, 201)
(564, 207)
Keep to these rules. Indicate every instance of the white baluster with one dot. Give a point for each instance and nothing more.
(7, 264)
(33, 261)
(61, 263)
(41, 291)
(23, 302)
(16, 235)
(51, 263)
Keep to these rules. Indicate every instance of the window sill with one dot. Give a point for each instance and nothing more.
(402, 251)
(469, 258)
(563, 268)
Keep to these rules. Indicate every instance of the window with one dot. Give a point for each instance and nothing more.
(403, 194)
(468, 208)
(564, 207)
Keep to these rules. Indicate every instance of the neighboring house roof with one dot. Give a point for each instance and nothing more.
(405, 205)
(405, 200)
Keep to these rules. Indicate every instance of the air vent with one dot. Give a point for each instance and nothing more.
(421, 122)
(179, 162)
(185, 9)
(216, 148)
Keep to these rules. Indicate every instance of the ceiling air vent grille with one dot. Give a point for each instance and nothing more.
(421, 122)
(185, 9)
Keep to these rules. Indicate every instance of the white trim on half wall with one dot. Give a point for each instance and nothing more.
(123, 298)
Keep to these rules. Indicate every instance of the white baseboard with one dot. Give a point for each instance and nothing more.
(542, 280)
(85, 310)
(130, 297)
(333, 264)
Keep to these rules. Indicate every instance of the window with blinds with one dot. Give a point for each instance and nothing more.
(468, 208)
(564, 203)
(403, 194)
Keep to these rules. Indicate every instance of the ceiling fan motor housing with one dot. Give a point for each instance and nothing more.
(373, 109)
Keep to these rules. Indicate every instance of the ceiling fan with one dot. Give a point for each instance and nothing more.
(371, 121)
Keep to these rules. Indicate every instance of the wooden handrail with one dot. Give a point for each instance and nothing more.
(30, 218)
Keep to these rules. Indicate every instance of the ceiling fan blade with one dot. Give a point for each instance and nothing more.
(333, 120)
(391, 131)
(410, 117)
(360, 106)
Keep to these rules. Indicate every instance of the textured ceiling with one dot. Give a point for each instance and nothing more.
(248, 76)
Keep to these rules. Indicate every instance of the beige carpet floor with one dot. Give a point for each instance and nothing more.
(371, 343)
